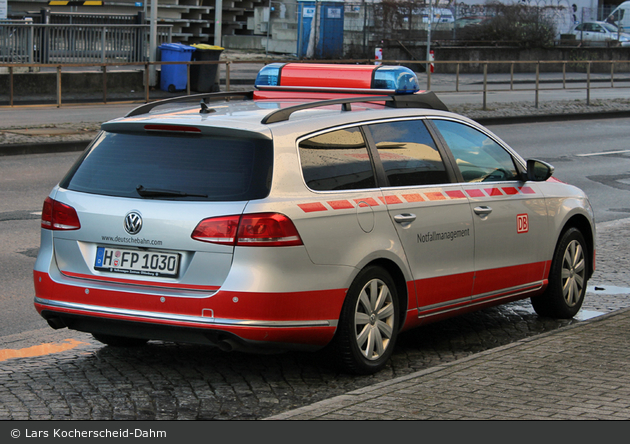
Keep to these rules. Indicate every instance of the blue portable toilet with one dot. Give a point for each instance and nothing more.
(174, 77)
(320, 26)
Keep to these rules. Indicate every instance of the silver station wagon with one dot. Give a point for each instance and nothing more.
(333, 206)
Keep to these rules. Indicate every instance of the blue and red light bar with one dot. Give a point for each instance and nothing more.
(379, 79)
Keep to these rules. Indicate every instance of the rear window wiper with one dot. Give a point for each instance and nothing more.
(158, 192)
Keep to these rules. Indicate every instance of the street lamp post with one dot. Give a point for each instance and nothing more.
(428, 66)
(218, 18)
(153, 43)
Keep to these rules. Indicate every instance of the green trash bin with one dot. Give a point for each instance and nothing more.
(203, 78)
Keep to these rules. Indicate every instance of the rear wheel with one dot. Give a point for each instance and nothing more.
(368, 325)
(119, 341)
(567, 278)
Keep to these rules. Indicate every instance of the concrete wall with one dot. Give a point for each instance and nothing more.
(45, 83)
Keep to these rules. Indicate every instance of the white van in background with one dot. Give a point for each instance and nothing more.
(621, 16)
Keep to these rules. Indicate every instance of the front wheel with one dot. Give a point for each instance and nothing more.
(369, 322)
(567, 278)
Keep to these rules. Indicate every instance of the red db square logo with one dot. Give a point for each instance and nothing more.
(522, 223)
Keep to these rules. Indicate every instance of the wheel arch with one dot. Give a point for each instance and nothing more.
(401, 285)
(581, 222)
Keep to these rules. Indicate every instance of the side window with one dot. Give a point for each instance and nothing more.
(337, 160)
(408, 153)
(478, 157)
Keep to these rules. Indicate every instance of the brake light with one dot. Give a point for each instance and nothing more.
(173, 129)
(251, 230)
(58, 216)
(217, 230)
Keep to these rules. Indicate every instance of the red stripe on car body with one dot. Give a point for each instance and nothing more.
(312, 207)
(340, 204)
(456, 194)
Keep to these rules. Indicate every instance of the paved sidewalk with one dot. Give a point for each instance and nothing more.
(578, 372)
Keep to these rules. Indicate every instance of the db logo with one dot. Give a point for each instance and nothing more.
(522, 223)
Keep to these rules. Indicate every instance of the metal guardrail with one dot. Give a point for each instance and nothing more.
(77, 43)
(585, 65)
(485, 87)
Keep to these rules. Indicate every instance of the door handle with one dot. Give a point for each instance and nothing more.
(405, 218)
(483, 210)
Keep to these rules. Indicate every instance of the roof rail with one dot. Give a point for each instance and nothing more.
(206, 97)
(427, 100)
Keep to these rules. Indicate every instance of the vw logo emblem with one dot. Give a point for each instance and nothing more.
(133, 222)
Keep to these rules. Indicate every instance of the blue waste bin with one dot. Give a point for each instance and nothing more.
(174, 77)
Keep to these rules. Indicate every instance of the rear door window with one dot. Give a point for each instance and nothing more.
(174, 167)
(337, 160)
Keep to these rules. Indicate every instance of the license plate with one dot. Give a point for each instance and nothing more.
(134, 262)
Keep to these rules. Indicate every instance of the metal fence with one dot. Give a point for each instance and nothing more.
(566, 78)
(25, 42)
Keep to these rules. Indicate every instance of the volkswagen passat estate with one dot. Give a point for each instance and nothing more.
(335, 205)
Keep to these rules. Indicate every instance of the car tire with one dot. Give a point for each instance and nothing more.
(119, 341)
(565, 291)
(369, 323)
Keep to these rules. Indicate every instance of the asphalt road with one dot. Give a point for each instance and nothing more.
(593, 155)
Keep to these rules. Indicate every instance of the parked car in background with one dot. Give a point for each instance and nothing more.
(469, 21)
(601, 33)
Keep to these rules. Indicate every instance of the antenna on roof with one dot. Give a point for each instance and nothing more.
(204, 108)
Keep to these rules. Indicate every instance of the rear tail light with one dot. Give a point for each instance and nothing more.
(58, 216)
(217, 230)
(252, 230)
(267, 229)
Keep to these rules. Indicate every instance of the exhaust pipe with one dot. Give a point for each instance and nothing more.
(56, 323)
(227, 345)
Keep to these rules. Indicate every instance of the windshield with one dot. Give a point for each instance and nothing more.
(149, 166)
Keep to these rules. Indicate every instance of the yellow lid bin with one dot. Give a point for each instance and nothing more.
(206, 46)
(204, 77)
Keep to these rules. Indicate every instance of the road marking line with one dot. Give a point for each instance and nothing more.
(603, 153)
(39, 350)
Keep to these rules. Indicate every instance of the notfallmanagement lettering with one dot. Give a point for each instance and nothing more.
(432, 236)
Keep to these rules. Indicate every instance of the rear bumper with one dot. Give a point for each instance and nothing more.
(224, 340)
(302, 320)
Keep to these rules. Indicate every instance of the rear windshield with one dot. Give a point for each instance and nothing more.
(140, 165)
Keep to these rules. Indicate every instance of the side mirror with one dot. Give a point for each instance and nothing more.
(538, 171)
